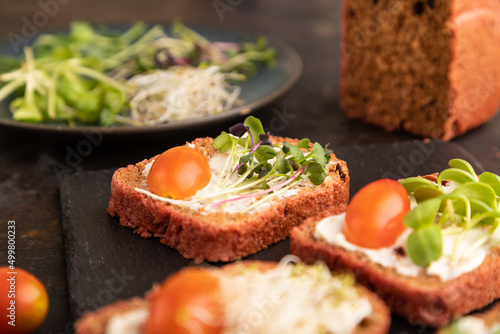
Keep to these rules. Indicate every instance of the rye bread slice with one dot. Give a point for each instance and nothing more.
(490, 317)
(95, 322)
(220, 236)
(423, 300)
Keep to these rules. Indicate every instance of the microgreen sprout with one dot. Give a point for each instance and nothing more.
(81, 75)
(264, 169)
(474, 203)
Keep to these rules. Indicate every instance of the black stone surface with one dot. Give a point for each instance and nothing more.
(31, 164)
(107, 262)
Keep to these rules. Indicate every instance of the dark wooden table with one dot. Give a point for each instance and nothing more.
(29, 187)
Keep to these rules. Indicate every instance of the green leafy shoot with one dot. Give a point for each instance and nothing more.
(454, 328)
(426, 192)
(80, 76)
(473, 203)
(463, 165)
(413, 183)
(264, 169)
(492, 180)
(455, 174)
(423, 215)
(425, 245)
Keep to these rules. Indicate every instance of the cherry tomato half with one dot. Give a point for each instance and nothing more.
(187, 302)
(179, 173)
(374, 218)
(23, 300)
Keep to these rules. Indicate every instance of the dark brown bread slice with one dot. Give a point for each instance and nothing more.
(95, 322)
(219, 236)
(423, 300)
(491, 317)
(396, 76)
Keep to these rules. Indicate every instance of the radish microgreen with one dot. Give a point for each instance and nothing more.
(474, 203)
(101, 76)
(266, 169)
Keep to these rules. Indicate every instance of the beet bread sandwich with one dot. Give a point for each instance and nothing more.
(225, 198)
(246, 297)
(428, 246)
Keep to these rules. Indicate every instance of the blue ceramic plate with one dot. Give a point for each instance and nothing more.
(269, 84)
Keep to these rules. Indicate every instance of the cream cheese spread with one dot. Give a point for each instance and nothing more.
(475, 325)
(197, 203)
(450, 265)
(284, 300)
(280, 300)
(129, 322)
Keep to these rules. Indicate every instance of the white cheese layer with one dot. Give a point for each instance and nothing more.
(130, 322)
(286, 299)
(447, 267)
(292, 299)
(475, 325)
(197, 202)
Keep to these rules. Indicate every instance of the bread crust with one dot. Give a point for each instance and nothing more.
(394, 77)
(423, 300)
(95, 322)
(217, 236)
(491, 317)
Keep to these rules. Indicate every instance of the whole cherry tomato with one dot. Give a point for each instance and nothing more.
(179, 173)
(23, 301)
(374, 217)
(188, 302)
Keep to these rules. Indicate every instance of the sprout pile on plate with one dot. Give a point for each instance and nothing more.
(142, 76)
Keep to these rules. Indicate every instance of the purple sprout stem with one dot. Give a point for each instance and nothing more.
(251, 137)
(254, 148)
(237, 167)
(281, 185)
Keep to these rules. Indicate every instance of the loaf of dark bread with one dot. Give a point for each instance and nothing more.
(423, 300)
(219, 236)
(95, 322)
(427, 67)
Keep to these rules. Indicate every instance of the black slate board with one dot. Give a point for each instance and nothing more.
(107, 262)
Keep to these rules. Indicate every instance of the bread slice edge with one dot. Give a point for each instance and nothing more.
(95, 322)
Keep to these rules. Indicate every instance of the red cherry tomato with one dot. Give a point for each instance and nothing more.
(374, 218)
(23, 301)
(188, 302)
(179, 173)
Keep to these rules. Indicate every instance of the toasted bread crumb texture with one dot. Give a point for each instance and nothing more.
(422, 300)
(395, 76)
(220, 236)
(491, 318)
(95, 322)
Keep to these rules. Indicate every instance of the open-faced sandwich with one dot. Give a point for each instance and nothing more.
(225, 198)
(428, 246)
(486, 322)
(246, 297)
